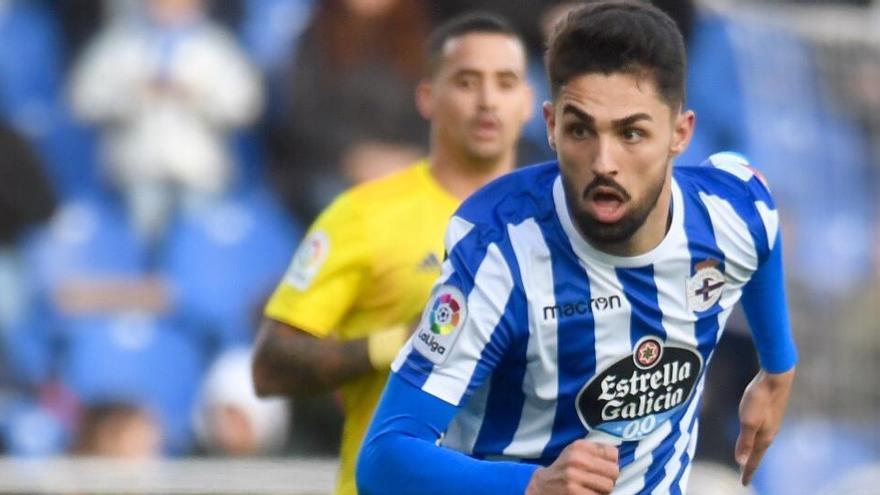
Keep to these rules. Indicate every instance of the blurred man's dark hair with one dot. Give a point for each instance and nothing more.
(470, 23)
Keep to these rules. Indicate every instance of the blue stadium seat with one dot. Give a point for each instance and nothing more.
(32, 97)
(29, 430)
(271, 28)
(138, 359)
(86, 238)
(808, 453)
(224, 260)
(803, 144)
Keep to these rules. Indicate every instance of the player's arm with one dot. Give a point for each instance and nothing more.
(400, 456)
(765, 400)
(297, 349)
(290, 361)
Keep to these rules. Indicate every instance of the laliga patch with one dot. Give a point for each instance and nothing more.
(438, 330)
(636, 395)
(704, 288)
(307, 262)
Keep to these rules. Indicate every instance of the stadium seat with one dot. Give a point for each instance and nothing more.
(32, 97)
(862, 480)
(271, 28)
(803, 144)
(138, 359)
(808, 453)
(86, 238)
(29, 430)
(223, 260)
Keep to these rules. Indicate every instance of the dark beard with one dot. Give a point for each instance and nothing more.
(599, 233)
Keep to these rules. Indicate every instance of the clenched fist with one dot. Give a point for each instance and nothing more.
(583, 468)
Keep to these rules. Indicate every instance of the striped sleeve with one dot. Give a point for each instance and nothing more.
(463, 332)
(763, 297)
(759, 209)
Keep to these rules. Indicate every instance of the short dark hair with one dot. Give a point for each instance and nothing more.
(619, 36)
(472, 22)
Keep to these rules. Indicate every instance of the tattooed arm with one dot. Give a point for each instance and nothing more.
(290, 361)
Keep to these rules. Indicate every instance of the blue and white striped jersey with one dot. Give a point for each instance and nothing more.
(541, 339)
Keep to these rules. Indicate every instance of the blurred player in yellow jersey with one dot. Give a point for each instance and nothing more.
(364, 271)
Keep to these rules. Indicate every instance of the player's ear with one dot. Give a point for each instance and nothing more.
(424, 100)
(682, 132)
(550, 120)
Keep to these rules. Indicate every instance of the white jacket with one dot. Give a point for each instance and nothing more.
(166, 100)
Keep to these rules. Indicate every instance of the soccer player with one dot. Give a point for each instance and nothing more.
(565, 345)
(363, 273)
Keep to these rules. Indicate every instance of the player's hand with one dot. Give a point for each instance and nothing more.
(583, 468)
(760, 413)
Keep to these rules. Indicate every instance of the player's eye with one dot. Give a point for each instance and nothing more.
(578, 130)
(466, 82)
(507, 83)
(633, 135)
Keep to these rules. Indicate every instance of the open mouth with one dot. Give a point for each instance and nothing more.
(607, 204)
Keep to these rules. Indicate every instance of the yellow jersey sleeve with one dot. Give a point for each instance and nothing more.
(326, 273)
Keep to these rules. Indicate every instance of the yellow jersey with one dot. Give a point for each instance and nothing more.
(367, 263)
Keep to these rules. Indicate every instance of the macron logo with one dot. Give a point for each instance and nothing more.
(594, 305)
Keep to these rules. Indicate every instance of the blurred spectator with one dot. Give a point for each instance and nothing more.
(118, 430)
(352, 81)
(166, 87)
(230, 419)
(26, 200)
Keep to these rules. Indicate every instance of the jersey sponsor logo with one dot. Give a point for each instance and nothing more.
(634, 396)
(307, 262)
(704, 288)
(595, 305)
(445, 314)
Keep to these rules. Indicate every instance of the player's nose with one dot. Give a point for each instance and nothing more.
(604, 160)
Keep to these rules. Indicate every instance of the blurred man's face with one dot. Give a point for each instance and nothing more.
(370, 9)
(478, 99)
(616, 138)
(172, 12)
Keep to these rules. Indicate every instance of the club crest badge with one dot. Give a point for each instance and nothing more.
(705, 287)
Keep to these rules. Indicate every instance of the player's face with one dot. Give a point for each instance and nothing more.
(615, 139)
(478, 99)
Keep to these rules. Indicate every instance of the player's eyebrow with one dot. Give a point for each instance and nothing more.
(467, 71)
(631, 119)
(618, 123)
(577, 112)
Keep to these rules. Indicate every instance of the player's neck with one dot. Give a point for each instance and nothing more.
(463, 179)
